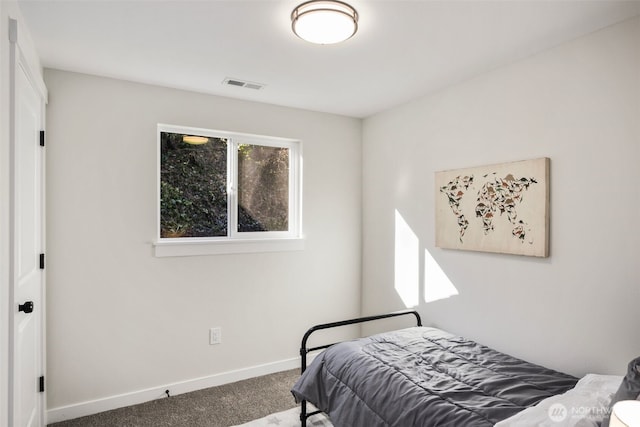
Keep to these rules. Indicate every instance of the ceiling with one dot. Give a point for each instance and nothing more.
(403, 49)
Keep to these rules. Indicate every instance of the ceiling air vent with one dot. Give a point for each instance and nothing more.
(242, 83)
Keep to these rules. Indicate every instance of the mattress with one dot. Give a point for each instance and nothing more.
(423, 377)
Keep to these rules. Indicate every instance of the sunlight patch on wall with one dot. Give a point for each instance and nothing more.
(407, 263)
(437, 285)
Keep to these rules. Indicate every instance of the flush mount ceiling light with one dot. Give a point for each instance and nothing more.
(324, 21)
(195, 140)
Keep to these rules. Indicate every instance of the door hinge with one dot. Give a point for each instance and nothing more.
(41, 384)
(13, 31)
(41, 261)
(42, 138)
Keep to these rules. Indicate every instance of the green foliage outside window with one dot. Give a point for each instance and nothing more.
(193, 187)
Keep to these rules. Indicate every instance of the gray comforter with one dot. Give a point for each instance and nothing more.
(423, 377)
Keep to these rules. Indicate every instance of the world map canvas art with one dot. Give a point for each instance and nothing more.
(500, 208)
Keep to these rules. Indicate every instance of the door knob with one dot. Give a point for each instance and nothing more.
(27, 307)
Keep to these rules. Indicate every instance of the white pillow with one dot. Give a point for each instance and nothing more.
(585, 405)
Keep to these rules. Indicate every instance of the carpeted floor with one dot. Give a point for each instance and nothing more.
(223, 406)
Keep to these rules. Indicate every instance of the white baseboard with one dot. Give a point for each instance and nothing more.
(82, 409)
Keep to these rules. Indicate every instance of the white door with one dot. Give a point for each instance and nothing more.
(26, 363)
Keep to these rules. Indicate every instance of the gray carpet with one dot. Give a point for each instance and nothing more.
(222, 406)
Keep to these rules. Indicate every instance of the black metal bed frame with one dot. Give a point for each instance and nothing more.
(304, 350)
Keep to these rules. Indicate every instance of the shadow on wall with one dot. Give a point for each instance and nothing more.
(411, 263)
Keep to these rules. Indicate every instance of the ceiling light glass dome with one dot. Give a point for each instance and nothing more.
(324, 21)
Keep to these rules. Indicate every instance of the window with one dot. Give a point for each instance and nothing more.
(222, 192)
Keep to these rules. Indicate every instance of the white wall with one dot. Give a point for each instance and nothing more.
(121, 320)
(578, 104)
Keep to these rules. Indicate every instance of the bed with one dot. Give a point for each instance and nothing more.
(420, 376)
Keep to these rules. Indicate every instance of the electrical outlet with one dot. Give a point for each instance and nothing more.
(215, 335)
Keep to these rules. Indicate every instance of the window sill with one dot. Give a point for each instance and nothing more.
(223, 247)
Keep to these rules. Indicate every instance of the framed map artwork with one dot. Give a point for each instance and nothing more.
(500, 208)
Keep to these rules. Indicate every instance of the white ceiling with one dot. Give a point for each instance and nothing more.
(403, 49)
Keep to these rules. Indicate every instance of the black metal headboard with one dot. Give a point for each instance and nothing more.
(304, 350)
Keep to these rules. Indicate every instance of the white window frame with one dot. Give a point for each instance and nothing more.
(235, 241)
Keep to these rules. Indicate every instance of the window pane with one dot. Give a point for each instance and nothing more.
(263, 188)
(193, 186)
